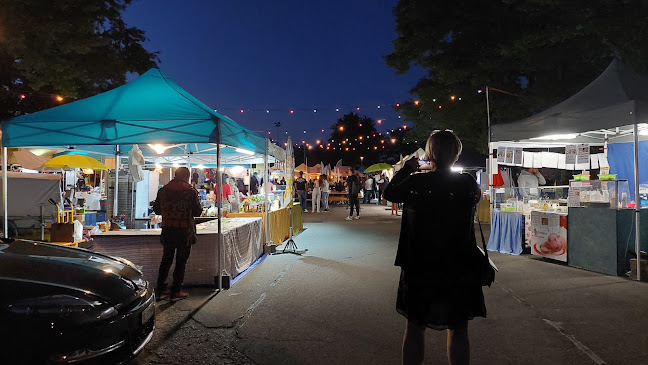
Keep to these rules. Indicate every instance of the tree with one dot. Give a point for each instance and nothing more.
(353, 137)
(70, 48)
(542, 51)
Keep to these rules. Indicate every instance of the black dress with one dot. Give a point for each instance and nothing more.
(439, 285)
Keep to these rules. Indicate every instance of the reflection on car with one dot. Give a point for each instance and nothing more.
(68, 305)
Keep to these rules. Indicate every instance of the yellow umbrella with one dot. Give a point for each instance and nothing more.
(75, 161)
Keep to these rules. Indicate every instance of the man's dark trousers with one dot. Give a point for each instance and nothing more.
(179, 248)
(354, 201)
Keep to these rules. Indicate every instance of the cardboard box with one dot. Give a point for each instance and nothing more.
(62, 232)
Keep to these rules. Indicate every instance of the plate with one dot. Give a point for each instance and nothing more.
(148, 312)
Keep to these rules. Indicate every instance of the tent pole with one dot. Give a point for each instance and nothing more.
(637, 207)
(266, 192)
(488, 163)
(116, 181)
(219, 194)
(4, 192)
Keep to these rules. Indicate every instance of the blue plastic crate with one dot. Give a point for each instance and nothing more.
(91, 219)
(101, 216)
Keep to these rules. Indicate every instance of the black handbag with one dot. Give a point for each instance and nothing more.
(487, 267)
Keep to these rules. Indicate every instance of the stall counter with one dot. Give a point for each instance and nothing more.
(242, 246)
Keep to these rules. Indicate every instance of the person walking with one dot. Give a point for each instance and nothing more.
(353, 187)
(377, 193)
(325, 192)
(300, 188)
(254, 184)
(317, 195)
(178, 203)
(368, 190)
(439, 284)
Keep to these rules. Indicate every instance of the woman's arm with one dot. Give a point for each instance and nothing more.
(400, 186)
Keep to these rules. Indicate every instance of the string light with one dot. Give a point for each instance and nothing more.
(341, 128)
(59, 98)
(416, 102)
(292, 111)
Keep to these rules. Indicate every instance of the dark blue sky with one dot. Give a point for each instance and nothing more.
(279, 55)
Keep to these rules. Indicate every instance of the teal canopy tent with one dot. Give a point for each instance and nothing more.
(151, 109)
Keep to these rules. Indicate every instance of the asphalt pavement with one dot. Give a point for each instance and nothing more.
(336, 305)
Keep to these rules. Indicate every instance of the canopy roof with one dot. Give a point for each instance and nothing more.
(618, 97)
(151, 109)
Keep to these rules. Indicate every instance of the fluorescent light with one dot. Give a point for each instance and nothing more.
(175, 164)
(643, 132)
(456, 168)
(555, 137)
(159, 149)
(240, 150)
(200, 167)
(158, 166)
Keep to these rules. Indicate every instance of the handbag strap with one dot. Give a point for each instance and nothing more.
(483, 240)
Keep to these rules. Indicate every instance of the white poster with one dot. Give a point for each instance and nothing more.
(550, 160)
(517, 156)
(570, 152)
(527, 158)
(509, 155)
(549, 235)
(583, 154)
(561, 161)
(501, 154)
(594, 161)
(603, 161)
(537, 160)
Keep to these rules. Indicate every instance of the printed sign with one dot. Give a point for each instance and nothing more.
(509, 155)
(549, 235)
(583, 154)
(501, 154)
(517, 156)
(570, 154)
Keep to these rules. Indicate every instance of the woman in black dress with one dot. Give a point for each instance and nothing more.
(439, 284)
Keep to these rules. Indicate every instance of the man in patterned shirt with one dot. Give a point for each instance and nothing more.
(178, 203)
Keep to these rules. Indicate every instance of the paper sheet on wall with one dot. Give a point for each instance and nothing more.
(570, 152)
(550, 160)
(537, 160)
(594, 161)
(561, 161)
(583, 154)
(517, 156)
(509, 155)
(527, 158)
(582, 166)
(602, 159)
(501, 154)
(570, 166)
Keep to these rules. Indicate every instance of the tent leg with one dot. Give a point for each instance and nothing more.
(637, 207)
(266, 211)
(219, 195)
(4, 192)
(115, 200)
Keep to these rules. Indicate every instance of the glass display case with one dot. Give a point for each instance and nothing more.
(613, 194)
(524, 200)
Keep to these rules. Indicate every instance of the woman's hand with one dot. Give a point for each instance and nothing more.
(413, 163)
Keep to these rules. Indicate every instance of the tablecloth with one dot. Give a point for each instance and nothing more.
(242, 246)
(507, 229)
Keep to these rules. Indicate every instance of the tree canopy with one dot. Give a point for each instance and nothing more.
(543, 51)
(70, 48)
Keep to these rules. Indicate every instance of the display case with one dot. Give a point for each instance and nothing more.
(613, 194)
(543, 198)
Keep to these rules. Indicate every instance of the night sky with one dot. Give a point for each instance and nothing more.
(278, 56)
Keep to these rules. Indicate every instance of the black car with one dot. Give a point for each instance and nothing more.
(62, 305)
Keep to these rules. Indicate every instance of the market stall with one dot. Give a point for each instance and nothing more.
(151, 110)
(242, 245)
(577, 136)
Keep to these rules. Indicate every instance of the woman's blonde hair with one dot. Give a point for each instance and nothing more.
(443, 148)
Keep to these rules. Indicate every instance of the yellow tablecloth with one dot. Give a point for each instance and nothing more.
(483, 210)
(279, 223)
